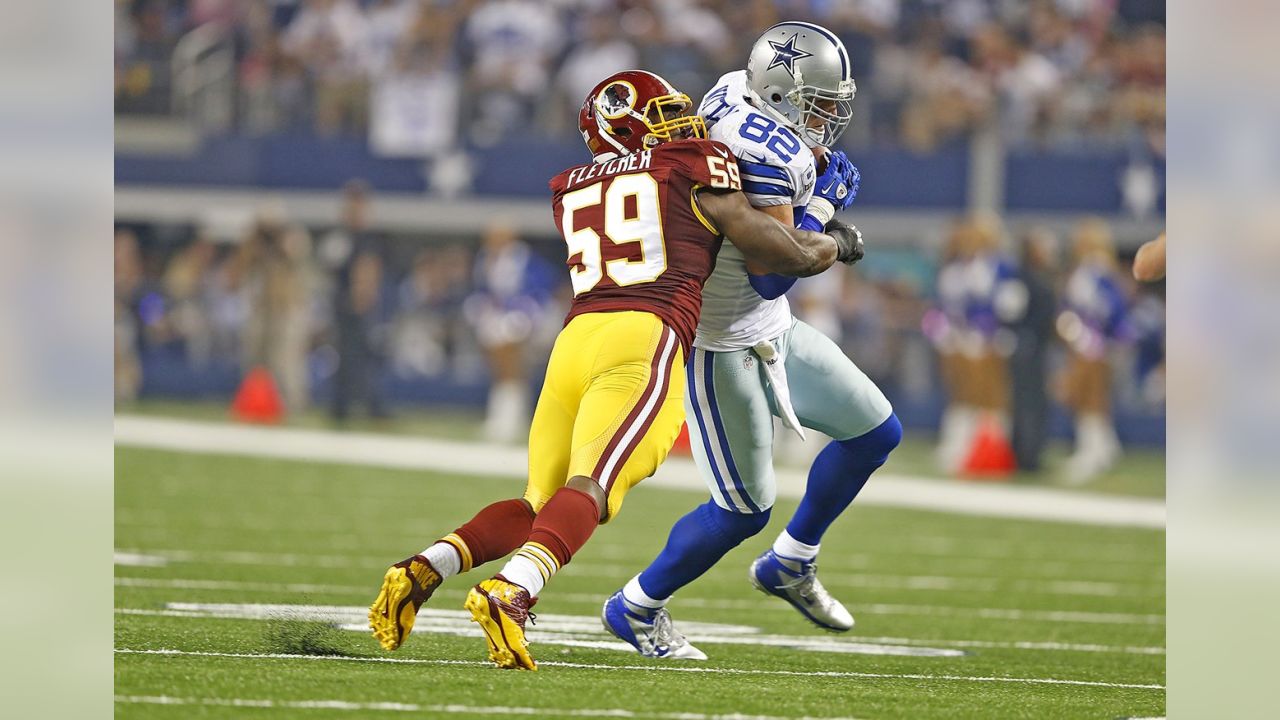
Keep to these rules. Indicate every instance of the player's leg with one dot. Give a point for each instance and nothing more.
(1097, 446)
(623, 428)
(498, 528)
(731, 432)
(830, 394)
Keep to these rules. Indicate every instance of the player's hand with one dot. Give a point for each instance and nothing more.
(849, 247)
(839, 183)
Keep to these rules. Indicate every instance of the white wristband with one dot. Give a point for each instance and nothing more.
(822, 209)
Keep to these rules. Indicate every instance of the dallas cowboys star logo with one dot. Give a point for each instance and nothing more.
(786, 54)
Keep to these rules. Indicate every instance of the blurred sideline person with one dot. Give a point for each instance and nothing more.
(991, 277)
(513, 286)
(642, 224)
(1032, 323)
(753, 360)
(273, 268)
(1092, 320)
(128, 331)
(1148, 264)
(977, 294)
(947, 330)
(354, 254)
(186, 282)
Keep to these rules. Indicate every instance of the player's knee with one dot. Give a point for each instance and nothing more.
(873, 448)
(592, 489)
(735, 525)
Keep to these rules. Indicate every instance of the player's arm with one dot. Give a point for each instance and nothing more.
(770, 285)
(768, 243)
(835, 190)
(1148, 264)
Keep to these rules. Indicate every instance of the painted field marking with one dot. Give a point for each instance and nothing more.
(136, 559)
(879, 581)
(414, 453)
(654, 668)
(357, 625)
(552, 629)
(984, 613)
(451, 709)
(238, 585)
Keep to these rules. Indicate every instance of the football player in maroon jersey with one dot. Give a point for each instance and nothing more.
(643, 223)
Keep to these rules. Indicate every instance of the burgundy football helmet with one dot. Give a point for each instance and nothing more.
(635, 110)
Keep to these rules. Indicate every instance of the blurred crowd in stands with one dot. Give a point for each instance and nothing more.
(424, 76)
(1001, 322)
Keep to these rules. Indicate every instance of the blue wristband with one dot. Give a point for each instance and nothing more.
(809, 222)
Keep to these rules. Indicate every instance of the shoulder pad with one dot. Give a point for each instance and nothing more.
(706, 162)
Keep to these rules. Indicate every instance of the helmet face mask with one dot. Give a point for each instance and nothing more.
(823, 116)
(800, 74)
(668, 118)
(633, 111)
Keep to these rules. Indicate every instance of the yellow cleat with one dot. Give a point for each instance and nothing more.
(405, 587)
(502, 608)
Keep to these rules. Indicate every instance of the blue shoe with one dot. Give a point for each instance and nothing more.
(797, 582)
(651, 633)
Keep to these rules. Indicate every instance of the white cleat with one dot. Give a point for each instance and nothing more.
(652, 634)
(797, 583)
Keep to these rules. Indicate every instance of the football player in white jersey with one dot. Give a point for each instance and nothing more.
(753, 361)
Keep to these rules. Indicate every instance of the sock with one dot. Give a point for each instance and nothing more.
(444, 558)
(792, 549)
(560, 530)
(697, 541)
(492, 533)
(638, 601)
(835, 478)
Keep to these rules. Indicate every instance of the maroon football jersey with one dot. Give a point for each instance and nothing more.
(636, 239)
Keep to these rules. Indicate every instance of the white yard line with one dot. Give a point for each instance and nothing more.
(721, 604)
(552, 629)
(411, 453)
(238, 586)
(985, 613)
(711, 604)
(130, 559)
(352, 617)
(860, 580)
(659, 668)
(451, 709)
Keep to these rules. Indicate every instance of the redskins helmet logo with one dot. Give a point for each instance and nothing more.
(616, 100)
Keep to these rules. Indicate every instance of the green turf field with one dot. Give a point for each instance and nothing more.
(1138, 472)
(234, 574)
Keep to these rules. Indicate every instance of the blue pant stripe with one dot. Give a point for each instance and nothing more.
(692, 381)
(709, 383)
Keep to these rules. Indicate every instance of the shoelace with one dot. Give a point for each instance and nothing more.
(516, 612)
(664, 631)
(807, 586)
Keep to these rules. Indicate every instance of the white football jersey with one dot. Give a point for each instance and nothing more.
(776, 169)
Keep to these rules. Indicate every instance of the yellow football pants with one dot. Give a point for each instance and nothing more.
(611, 405)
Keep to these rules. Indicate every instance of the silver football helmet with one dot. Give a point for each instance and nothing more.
(800, 73)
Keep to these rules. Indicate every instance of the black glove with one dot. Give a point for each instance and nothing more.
(849, 247)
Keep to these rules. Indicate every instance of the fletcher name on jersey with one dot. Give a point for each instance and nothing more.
(660, 248)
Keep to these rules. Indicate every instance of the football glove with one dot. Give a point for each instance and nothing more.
(849, 247)
(839, 183)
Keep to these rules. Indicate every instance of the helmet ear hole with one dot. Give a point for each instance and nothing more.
(621, 132)
(776, 98)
